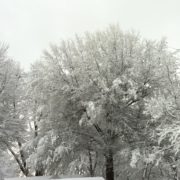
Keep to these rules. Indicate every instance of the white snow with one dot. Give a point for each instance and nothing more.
(48, 178)
(28, 178)
(84, 178)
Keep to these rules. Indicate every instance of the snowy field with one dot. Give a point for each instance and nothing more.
(47, 178)
(28, 178)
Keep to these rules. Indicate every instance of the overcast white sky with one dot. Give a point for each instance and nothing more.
(28, 26)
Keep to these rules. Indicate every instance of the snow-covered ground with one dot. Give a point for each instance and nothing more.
(84, 178)
(48, 178)
(28, 178)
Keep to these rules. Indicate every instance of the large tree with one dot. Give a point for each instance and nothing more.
(97, 86)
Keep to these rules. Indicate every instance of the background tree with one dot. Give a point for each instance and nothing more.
(164, 111)
(12, 125)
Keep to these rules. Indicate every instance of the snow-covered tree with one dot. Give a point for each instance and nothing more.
(12, 124)
(164, 111)
(95, 89)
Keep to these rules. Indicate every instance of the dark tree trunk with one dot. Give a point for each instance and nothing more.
(91, 170)
(39, 172)
(35, 129)
(109, 165)
(24, 170)
(23, 159)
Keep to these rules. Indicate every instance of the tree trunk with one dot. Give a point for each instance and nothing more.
(23, 158)
(145, 172)
(109, 165)
(24, 170)
(91, 171)
(39, 172)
